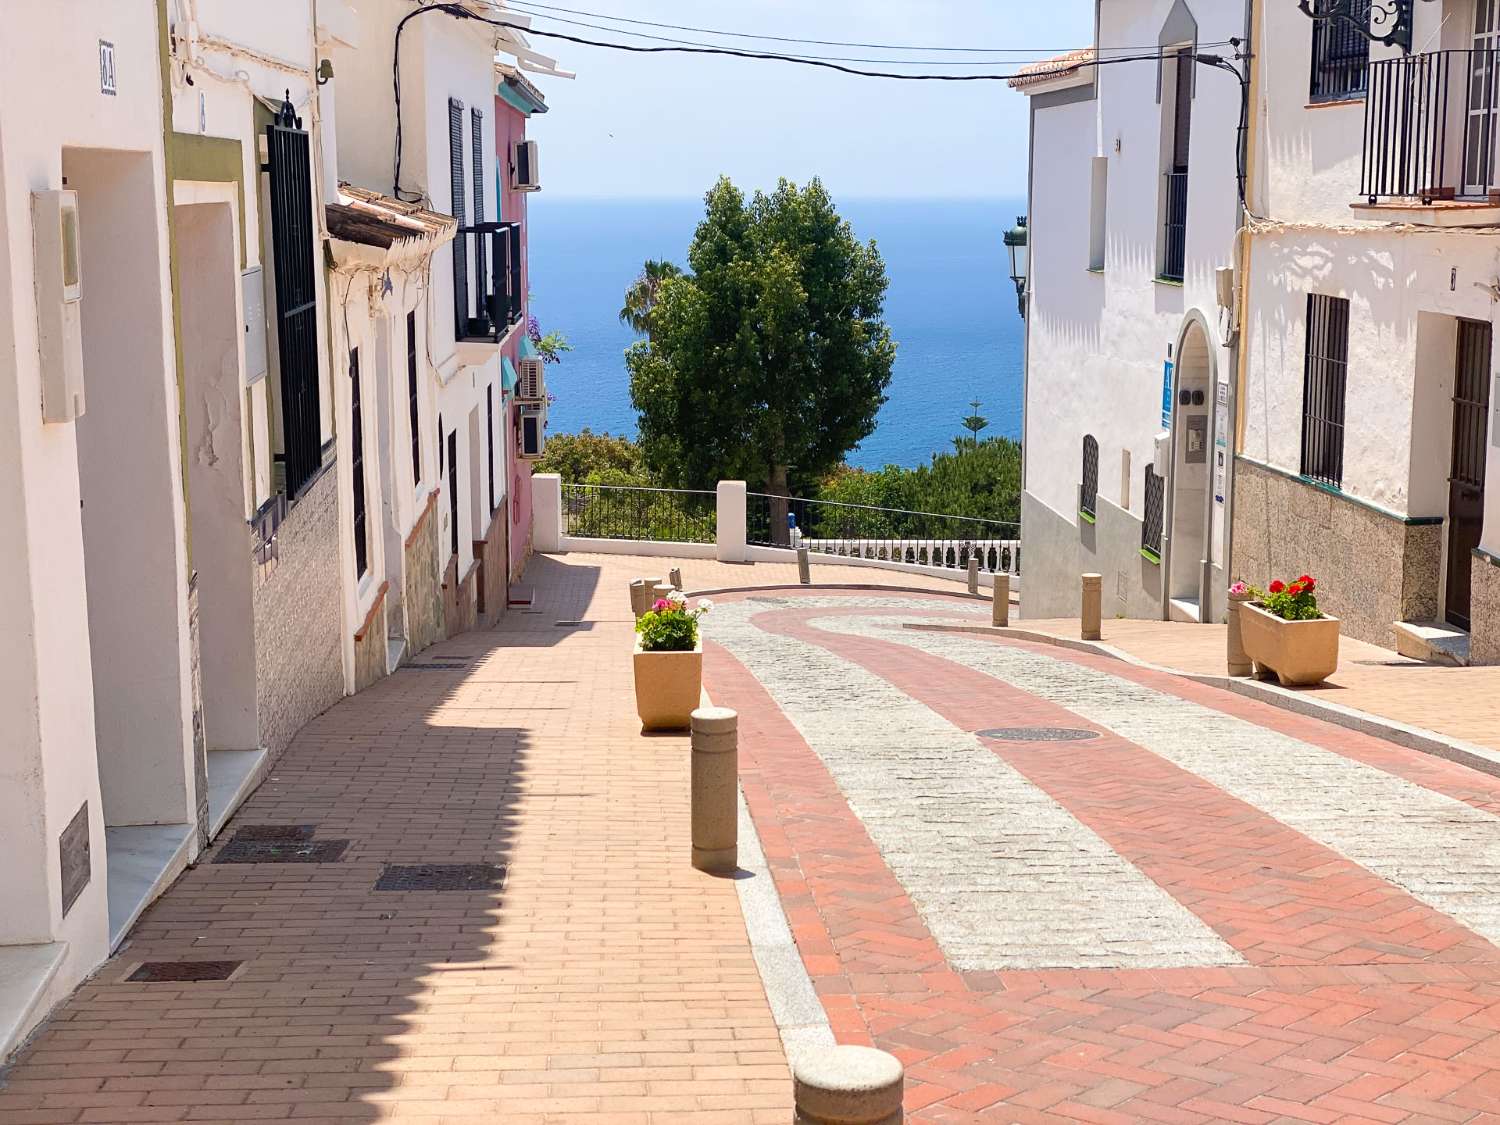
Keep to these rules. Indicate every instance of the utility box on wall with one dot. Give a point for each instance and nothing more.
(59, 302)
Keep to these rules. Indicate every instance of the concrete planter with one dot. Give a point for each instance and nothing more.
(1297, 653)
(667, 687)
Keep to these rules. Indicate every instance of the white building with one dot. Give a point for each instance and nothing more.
(243, 418)
(1373, 277)
(1129, 394)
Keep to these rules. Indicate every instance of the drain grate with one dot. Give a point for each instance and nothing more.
(280, 843)
(441, 666)
(177, 972)
(441, 877)
(1037, 734)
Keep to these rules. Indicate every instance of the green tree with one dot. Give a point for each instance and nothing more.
(641, 297)
(590, 458)
(771, 355)
(974, 422)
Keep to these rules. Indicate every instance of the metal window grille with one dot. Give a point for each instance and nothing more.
(288, 164)
(1088, 491)
(1325, 374)
(489, 444)
(1471, 404)
(1151, 526)
(461, 213)
(414, 398)
(476, 129)
(1340, 59)
(357, 462)
(453, 490)
(513, 274)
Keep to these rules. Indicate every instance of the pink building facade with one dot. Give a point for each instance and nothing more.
(516, 100)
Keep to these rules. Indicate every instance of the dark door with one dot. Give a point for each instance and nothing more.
(1471, 400)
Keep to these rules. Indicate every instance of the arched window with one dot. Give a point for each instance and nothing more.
(1088, 491)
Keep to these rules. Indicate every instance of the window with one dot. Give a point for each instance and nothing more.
(1340, 59)
(489, 444)
(440, 444)
(357, 458)
(1151, 526)
(1098, 223)
(413, 396)
(1175, 196)
(1324, 375)
(290, 170)
(1088, 491)
(458, 183)
(453, 490)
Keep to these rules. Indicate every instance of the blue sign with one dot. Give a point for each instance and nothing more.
(1166, 396)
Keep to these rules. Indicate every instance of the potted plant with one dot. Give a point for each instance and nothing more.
(668, 663)
(1286, 634)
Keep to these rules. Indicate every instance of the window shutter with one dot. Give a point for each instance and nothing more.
(484, 308)
(460, 212)
(357, 465)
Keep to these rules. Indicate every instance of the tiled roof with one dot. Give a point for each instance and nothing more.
(1034, 74)
(373, 219)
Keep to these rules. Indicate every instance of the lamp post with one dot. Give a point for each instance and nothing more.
(1016, 243)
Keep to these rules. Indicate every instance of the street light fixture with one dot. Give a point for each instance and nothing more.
(1016, 243)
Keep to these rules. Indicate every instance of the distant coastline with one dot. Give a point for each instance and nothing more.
(951, 307)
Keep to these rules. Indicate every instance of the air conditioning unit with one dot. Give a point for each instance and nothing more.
(531, 380)
(524, 173)
(533, 430)
(59, 302)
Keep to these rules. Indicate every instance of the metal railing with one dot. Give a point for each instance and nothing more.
(1155, 509)
(1174, 236)
(652, 515)
(886, 534)
(1430, 126)
(491, 302)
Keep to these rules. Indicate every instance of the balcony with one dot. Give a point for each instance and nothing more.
(1430, 139)
(487, 294)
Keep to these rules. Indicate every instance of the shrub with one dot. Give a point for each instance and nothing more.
(669, 626)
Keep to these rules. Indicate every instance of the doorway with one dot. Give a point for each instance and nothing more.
(1191, 450)
(1471, 401)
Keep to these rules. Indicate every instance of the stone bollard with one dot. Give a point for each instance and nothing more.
(674, 576)
(847, 1086)
(715, 785)
(637, 596)
(658, 592)
(1237, 658)
(1000, 605)
(973, 575)
(1093, 598)
(804, 569)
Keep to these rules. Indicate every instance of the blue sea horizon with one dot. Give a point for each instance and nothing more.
(951, 307)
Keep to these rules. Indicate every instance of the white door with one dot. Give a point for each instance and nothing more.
(1483, 100)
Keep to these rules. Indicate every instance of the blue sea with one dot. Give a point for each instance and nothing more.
(951, 307)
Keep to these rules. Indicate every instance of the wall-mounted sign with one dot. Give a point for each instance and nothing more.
(107, 68)
(1166, 395)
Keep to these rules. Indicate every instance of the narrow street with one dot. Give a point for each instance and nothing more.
(1204, 909)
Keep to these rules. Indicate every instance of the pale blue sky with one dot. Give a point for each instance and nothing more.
(667, 125)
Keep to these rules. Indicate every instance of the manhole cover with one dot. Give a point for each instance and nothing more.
(279, 843)
(1037, 734)
(174, 972)
(441, 877)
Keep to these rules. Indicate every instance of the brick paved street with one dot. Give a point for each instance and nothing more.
(1214, 910)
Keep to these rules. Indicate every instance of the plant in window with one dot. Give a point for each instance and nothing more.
(669, 626)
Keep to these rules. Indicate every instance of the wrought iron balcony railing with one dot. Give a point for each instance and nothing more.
(1430, 127)
(491, 300)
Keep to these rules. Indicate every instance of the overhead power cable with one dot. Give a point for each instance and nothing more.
(531, 6)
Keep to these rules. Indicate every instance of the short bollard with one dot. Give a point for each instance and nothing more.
(847, 1086)
(1093, 597)
(674, 577)
(974, 575)
(1000, 605)
(637, 596)
(659, 591)
(804, 569)
(715, 788)
(1237, 658)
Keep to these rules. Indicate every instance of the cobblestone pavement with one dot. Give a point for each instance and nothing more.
(1329, 954)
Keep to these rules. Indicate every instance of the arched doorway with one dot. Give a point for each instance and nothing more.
(1192, 453)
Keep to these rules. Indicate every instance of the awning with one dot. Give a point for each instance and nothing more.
(528, 349)
(507, 374)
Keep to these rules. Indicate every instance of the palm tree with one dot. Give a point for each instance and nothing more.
(640, 298)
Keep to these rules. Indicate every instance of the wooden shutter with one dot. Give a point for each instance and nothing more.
(461, 213)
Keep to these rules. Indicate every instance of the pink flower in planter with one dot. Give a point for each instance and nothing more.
(662, 603)
(1239, 589)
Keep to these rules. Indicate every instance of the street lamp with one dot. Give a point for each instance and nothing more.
(1015, 242)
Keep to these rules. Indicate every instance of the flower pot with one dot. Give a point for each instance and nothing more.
(1296, 653)
(668, 686)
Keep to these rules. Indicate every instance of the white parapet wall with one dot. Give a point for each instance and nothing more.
(547, 514)
(816, 559)
(730, 526)
(650, 547)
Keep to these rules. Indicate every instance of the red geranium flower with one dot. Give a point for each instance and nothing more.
(1307, 582)
(1277, 586)
(1295, 589)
